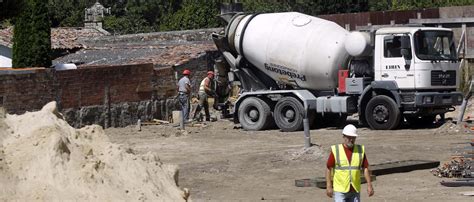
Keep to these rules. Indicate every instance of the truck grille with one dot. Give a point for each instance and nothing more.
(440, 78)
(407, 98)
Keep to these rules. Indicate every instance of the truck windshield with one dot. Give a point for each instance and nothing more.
(435, 45)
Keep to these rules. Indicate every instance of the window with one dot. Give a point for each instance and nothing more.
(392, 46)
(435, 45)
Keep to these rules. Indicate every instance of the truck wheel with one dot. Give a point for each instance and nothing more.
(288, 114)
(382, 113)
(254, 114)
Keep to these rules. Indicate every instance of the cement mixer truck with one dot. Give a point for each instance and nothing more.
(293, 67)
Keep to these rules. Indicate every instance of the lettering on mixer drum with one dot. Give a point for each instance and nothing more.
(279, 69)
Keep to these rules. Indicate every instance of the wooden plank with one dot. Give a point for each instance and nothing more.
(402, 166)
(468, 183)
(161, 121)
(151, 123)
(377, 169)
(321, 182)
(467, 193)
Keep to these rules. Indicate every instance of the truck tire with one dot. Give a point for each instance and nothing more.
(382, 113)
(254, 114)
(288, 114)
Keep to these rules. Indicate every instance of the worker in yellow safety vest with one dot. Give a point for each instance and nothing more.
(344, 167)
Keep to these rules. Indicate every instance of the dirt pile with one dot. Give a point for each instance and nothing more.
(43, 158)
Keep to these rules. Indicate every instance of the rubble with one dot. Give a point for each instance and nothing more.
(456, 168)
(461, 165)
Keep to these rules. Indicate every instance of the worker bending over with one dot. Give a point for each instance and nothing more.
(206, 89)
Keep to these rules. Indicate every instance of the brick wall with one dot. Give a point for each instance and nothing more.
(105, 95)
(165, 82)
(111, 96)
(199, 67)
(97, 85)
(26, 90)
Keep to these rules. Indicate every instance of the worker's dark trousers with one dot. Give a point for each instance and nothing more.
(203, 104)
(184, 102)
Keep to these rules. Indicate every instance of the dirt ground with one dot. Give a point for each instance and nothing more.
(220, 162)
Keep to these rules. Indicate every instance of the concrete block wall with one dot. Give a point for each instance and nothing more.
(459, 12)
(456, 12)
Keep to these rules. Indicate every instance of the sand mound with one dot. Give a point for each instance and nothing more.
(43, 158)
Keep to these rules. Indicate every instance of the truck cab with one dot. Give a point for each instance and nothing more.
(421, 65)
(429, 62)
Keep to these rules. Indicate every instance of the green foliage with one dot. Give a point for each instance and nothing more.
(9, 9)
(376, 5)
(310, 7)
(135, 16)
(193, 15)
(32, 35)
(6, 23)
(68, 13)
(265, 6)
(132, 16)
(129, 24)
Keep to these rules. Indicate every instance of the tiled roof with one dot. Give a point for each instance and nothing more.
(6, 37)
(177, 55)
(61, 38)
(163, 49)
(69, 37)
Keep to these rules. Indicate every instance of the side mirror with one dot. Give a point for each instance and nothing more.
(405, 42)
(406, 53)
(407, 56)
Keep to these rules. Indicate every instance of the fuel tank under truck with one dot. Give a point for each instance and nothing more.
(292, 48)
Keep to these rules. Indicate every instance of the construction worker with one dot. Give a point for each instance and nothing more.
(344, 167)
(206, 89)
(184, 93)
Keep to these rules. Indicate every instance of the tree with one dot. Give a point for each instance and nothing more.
(32, 35)
(193, 15)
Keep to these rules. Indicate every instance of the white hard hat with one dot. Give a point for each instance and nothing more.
(350, 130)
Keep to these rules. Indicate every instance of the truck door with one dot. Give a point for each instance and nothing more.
(395, 67)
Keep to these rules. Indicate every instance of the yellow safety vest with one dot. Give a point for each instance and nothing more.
(345, 173)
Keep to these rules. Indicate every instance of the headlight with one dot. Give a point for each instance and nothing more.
(459, 98)
(428, 99)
